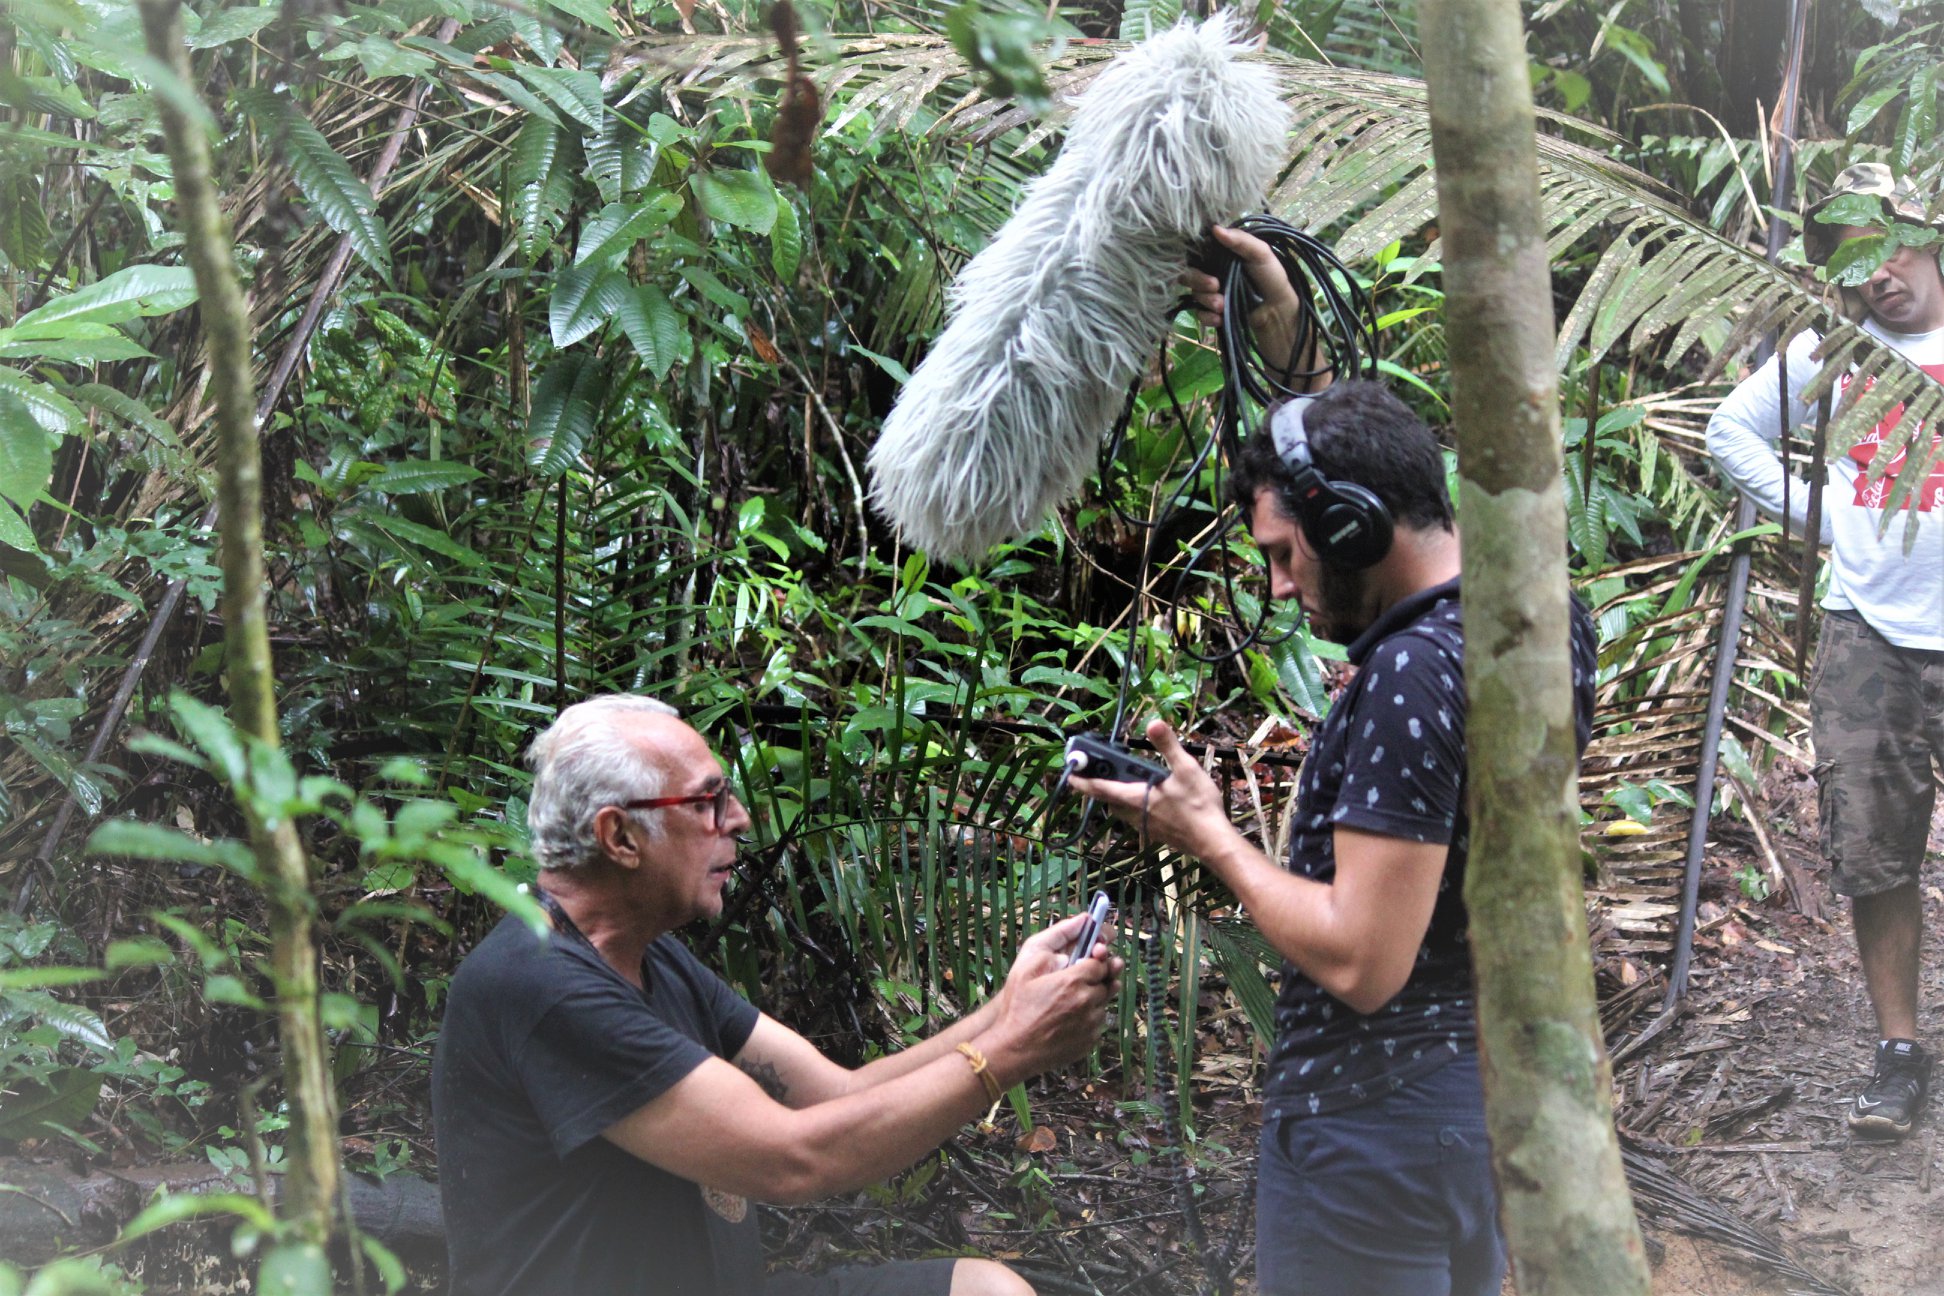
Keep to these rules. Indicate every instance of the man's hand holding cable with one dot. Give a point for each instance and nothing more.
(1275, 317)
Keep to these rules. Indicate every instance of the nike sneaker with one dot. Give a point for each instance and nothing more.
(1889, 1104)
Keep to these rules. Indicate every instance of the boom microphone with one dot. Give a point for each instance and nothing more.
(1052, 322)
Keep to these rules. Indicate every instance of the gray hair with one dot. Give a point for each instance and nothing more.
(584, 762)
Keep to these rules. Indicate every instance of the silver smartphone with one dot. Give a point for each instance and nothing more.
(1097, 911)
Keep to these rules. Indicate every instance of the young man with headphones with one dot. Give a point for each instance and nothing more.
(1375, 1178)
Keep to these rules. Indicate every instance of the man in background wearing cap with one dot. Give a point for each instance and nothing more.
(1877, 691)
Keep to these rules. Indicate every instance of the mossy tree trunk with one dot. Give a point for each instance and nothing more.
(1563, 1199)
(311, 1181)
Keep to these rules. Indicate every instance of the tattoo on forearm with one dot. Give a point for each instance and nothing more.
(765, 1074)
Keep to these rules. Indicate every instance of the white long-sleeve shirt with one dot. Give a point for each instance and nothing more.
(1899, 593)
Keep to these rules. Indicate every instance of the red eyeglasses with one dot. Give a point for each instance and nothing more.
(717, 800)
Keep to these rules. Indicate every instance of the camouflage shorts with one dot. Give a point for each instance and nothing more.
(1877, 716)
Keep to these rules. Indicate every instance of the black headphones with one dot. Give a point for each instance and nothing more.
(1346, 524)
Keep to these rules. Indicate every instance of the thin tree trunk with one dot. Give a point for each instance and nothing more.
(311, 1182)
(1563, 1199)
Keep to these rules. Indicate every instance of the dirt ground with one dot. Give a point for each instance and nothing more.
(1744, 1097)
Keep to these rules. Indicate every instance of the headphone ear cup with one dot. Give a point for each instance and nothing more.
(1348, 525)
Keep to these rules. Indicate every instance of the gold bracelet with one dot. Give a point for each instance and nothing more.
(977, 1061)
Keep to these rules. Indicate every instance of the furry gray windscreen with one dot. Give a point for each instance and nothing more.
(1057, 316)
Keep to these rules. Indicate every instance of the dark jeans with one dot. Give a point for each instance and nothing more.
(1392, 1198)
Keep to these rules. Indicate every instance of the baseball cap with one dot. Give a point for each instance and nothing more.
(1874, 180)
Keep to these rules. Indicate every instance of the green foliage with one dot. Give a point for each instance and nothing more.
(91, 1276)
(589, 414)
(1002, 45)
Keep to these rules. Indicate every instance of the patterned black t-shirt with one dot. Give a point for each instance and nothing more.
(1390, 759)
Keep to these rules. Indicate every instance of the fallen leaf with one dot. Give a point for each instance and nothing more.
(1041, 1139)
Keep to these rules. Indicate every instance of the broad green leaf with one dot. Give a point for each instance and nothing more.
(226, 25)
(26, 452)
(336, 193)
(1856, 259)
(566, 402)
(540, 172)
(592, 12)
(654, 326)
(393, 875)
(619, 160)
(137, 951)
(380, 56)
(295, 1269)
(786, 241)
(140, 840)
(515, 90)
(33, 978)
(1851, 209)
(584, 297)
(390, 1271)
(212, 732)
(574, 92)
(79, 351)
(616, 228)
(1868, 107)
(30, 1108)
(176, 1208)
(71, 1020)
(73, 1277)
(422, 476)
(474, 876)
(897, 371)
(34, 95)
(1917, 128)
(417, 533)
(14, 531)
(24, 234)
(53, 411)
(132, 293)
(745, 199)
(133, 412)
(705, 282)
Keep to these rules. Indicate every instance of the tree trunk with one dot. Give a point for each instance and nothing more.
(311, 1184)
(1563, 1199)
(49, 1210)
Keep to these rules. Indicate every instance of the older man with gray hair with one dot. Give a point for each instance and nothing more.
(606, 1106)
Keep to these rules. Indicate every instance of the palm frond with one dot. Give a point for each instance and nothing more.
(1361, 159)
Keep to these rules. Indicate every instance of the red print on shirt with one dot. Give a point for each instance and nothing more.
(1876, 493)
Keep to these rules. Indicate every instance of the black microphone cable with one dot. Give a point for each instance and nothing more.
(1335, 336)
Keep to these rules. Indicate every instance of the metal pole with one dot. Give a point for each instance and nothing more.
(1731, 621)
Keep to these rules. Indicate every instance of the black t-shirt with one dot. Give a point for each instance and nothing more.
(1390, 759)
(544, 1046)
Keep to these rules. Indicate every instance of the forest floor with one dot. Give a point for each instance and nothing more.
(1745, 1095)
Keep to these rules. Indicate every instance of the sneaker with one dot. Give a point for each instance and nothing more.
(1890, 1102)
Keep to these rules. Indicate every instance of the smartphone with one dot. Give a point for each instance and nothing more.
(1097, 911)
